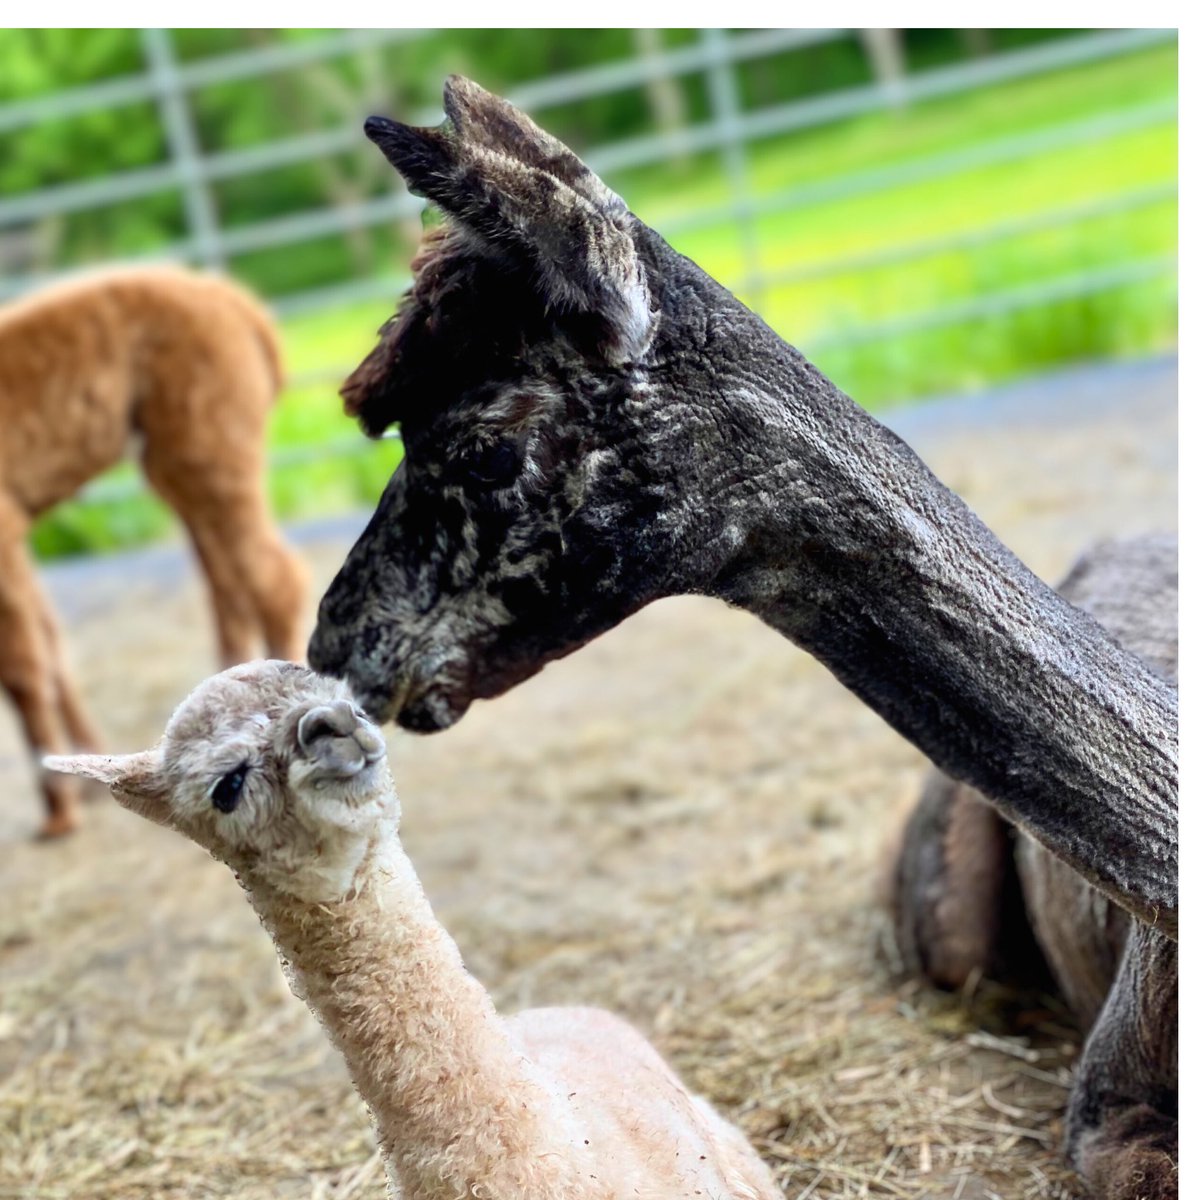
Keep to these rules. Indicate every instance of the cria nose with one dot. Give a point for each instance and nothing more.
(327, 720)
(325, 726)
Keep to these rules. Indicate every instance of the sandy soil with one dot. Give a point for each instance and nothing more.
(684, 822)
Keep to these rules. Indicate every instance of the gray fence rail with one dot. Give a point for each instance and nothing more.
(728, 131)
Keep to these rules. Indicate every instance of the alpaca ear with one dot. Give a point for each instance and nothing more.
(136, 780)
(517, 189)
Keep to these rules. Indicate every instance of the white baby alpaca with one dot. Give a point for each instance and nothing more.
(274, 771)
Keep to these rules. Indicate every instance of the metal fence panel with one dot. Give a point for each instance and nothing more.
(728, 132)
(715, 54)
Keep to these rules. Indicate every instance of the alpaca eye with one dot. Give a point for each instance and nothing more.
(227, 791)
(494, 466)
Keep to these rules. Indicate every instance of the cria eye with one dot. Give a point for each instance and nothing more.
(227, 791)
(494, 466)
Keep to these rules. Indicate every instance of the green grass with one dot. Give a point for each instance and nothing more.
(1126, 320)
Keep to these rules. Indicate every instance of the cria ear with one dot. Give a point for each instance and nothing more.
(136, 780)
(522, 193)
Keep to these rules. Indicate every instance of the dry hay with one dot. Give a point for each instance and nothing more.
(683, 823)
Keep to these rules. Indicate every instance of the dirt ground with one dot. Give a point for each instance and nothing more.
(684, 822)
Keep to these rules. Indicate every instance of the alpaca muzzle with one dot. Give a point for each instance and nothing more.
(338, 740)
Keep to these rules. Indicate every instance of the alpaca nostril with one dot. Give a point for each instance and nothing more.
(338, 740)
(335, 720)
(313, 727)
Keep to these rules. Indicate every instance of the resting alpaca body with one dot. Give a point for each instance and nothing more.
(191, 365)
(271, 769)
(591, 423)
(973, 895)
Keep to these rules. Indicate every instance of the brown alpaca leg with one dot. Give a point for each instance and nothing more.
(205, 422)
(271, 582)
(955, 896)
(272, 578)
(27, 673)
(280, 591)
(80, 727)
(233, 605)
(85, 737)
(258, 586)
(211, 515)
(1123, 1122)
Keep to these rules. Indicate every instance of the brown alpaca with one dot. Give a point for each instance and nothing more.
(190, 366)
(273, 770)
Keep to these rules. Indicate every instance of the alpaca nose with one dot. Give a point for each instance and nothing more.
(327, 720)
(335, 736)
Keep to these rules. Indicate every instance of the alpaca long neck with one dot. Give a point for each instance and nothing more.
(453, 1101)
(835, 533)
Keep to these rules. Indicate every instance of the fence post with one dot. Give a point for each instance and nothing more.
(885, 52)
(186, 155)
(723, 96)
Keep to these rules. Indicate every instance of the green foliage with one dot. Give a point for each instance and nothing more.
(402, 77)
(34, 62)
(84, 527)
(1131, 320)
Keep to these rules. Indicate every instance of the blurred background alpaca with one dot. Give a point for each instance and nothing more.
(189, 366)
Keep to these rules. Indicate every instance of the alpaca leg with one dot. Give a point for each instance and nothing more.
(78, 721)
(233, 609)
(279, 585)
(272, 583)
(1123, 1122)
(1081, 933)
(955, 896)
(28, 674)
(257, 584)
(84, 734)
(210, 515)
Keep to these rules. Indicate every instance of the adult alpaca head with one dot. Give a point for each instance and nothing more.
(591, 422)
(551, 472)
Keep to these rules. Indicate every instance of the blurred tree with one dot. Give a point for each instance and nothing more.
(977, 41)
(37, 62)
(340, 94)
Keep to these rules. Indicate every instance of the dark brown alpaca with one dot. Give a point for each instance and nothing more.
(190, 365)
(592, 423)
(971, 894)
